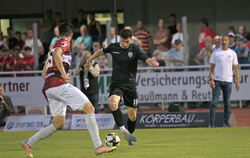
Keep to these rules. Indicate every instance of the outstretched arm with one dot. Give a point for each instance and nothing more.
(151, 62)
(95, 55)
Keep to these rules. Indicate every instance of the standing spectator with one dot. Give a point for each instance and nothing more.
(242, 31)
(28, 60)
(5, 44)
(6, 106)
(178, 34)
(46, 30)
(89, 79)
(231, 29)
(78, 22)
(20, 43)
(217, 41)
(223, 60)
(54, 39)
(8, 60)
(175, 56)
(1, 38)
(12, 39)
(172, 26)
(162, 38)
(24, 37)
(242, 51)
(144, 37)
(58, 18)
(206, 52)
(114, 37)
(232, 43)
(205, 31)
(95, 30)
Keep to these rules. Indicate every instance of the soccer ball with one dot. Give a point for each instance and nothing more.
(112, 139)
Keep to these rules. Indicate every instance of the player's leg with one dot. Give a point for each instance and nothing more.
(58, 111)
(226, 90)
(78, 101)
(131, 119)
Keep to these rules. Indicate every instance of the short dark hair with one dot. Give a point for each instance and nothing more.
(204, 21)
(65, 29)
(231, 27)
(125, 33)
(27, 49)
(173, 15)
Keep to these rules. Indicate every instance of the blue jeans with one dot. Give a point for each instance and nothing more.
(226, 88)
(94, 98)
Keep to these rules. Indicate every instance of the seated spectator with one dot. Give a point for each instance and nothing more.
(205, 31)
(175, 56)
(144, 37)
(134, 39)
(54, 39)
(18, 57)
(217, 42)
(232, 44)
(28, 60)
(172, 26)
(114, 38)
(162, 37)
(178, 34)
(6, 106)
(242, 51)
(205, 53)
(242, 31)
(83, 42)
(78, 22)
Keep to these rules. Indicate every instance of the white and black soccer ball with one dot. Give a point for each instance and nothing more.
(112, 139)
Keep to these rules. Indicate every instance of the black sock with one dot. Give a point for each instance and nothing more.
(131, 125)
(118, 117)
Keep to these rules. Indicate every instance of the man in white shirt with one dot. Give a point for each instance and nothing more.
(222, 63)
(178, 34)
(30, 43)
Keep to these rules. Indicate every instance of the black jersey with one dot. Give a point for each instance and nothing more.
(125, 63)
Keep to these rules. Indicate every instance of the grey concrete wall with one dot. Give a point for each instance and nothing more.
(220, 13)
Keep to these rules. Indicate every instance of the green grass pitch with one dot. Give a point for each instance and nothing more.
(152, 143)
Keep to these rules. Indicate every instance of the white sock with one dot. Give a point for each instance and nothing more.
(41, 134)
(123, 129)
(93, 130)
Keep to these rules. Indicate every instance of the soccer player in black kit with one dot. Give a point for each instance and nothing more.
(125, 56)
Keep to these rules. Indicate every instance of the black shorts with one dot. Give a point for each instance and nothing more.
(128, 93)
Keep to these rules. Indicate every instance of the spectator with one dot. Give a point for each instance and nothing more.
(5, 44)
(223, 61)
(58, 18)
(178, 34)
(159, 58)
(217, 42)
(205, 31)
(231, 29)
(95, 30)
(8, 60)
(102, 59)
(6, 106)
(232, 43)
(1, 60)
(175, 56)
(114, 37)
(172, 26)
(144, 37)
(12, 39)
(83, 42)
(134, 39)
(89, 79)
(162, 38)
(18, 57)
(20, 43)
(205, 53)
(28, 60)
(78, 22)
(242, 51)
(242, 31)
(248, 40)
(24, 37)
(54, 39)
(46, 30)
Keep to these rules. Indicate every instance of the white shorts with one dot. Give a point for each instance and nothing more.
(61, 96)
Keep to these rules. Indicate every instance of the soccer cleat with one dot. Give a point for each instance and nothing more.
(27, 149)
(103, 149)
(130, 143)
(129, 137)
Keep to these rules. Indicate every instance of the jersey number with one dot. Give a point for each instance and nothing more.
(49, 62)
